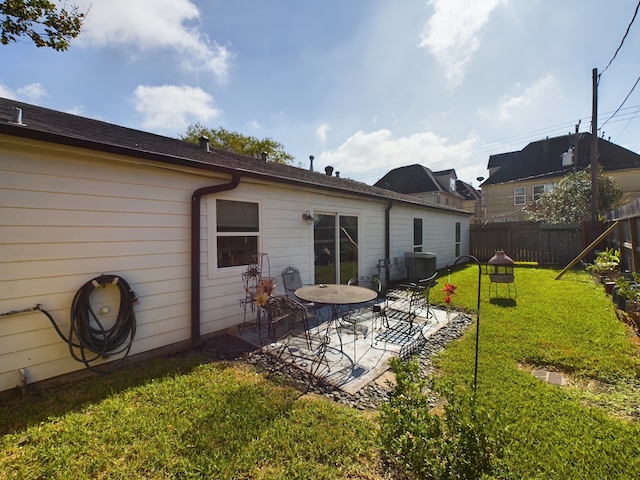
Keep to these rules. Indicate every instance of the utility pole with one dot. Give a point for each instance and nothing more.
(594, 154)
(576, 142)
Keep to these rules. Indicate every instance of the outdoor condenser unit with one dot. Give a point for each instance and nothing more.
(419, 265)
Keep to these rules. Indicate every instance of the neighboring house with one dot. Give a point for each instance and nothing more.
(440, 188)
(517, 178)
(179, 222)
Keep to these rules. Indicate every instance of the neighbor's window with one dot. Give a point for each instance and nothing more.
(519, 195)
(539, 190)
(237, 232)
(417, 234)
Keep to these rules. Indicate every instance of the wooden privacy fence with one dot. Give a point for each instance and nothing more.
(556, 244)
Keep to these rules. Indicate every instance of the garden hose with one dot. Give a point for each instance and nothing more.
(88, 339)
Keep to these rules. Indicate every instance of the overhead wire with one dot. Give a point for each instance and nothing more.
(622, 41)
(635, 14)
(623, 102)
(516, 142)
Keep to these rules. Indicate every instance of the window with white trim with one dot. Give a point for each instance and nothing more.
(237, 232)
(519, 195)
(539, 190)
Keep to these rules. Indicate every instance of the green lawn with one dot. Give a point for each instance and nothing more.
(566, 325)
(183, 417)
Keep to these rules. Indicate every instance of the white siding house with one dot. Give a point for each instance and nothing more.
(81, 198)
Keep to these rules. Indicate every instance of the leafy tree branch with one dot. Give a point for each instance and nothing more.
(41, 21)
(236, 142)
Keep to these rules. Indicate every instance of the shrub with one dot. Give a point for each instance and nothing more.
(460, 443)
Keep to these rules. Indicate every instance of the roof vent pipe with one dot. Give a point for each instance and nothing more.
(338, 174)
(311, 163)
(328, 170)
(264, 156)
(204, 143)
(17, 116)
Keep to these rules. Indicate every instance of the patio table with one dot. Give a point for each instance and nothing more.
(336, 296)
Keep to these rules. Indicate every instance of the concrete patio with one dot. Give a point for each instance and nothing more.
(365, 352)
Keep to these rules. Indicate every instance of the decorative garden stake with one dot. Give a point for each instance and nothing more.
(452, 290)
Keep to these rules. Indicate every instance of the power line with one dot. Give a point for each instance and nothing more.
(623, 102)
(622, 41)
(635, 114)
(518, 142)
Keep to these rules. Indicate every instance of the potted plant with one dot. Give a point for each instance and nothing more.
(606, 266)
(627, 292)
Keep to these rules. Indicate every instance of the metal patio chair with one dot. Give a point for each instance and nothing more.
(291, 281)
(357, 319)
(410, 300)
(288, 330)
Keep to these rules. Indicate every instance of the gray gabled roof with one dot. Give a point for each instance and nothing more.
(410, 179)
(543, 159)
(48, 125)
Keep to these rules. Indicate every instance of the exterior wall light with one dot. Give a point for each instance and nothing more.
(307, 217)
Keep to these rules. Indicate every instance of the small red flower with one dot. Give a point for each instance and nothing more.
(449, 289)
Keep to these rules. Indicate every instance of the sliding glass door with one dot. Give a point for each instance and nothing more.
(335, 239)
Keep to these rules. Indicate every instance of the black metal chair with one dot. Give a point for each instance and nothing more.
(410, 300)
(291, 281)
(288, 330)
(369, 314)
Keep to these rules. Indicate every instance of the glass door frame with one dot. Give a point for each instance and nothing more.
(331, 264)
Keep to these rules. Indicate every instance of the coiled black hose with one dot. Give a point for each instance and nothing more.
(88, 339)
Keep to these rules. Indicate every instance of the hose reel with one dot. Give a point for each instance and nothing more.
(89, 339)
(88, 334)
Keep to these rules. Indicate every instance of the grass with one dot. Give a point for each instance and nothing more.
(569, 326)
(185, 417)
(210, 421)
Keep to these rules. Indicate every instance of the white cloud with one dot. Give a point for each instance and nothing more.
(32, 92)
(171, 108)
(6, 92)
(454, 31)
(321, 132)
(155, 24)
(371, 155)
(510, 107)
(29, 93)
(533, 95)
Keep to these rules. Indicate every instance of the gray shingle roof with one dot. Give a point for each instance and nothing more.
(67, 129)
(543, 159)
(410, 179)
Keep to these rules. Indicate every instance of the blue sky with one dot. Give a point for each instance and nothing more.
(363, 85)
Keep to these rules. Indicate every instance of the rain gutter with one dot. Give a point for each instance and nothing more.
(195, 250)
(387, 240)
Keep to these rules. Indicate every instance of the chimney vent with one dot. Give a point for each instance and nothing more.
(16, 116)
(264, 156)
(328, 170)
(311, 163)
(204, 143)
(338, 174)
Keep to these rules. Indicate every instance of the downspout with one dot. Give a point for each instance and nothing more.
(387, 241)
(195, 251)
